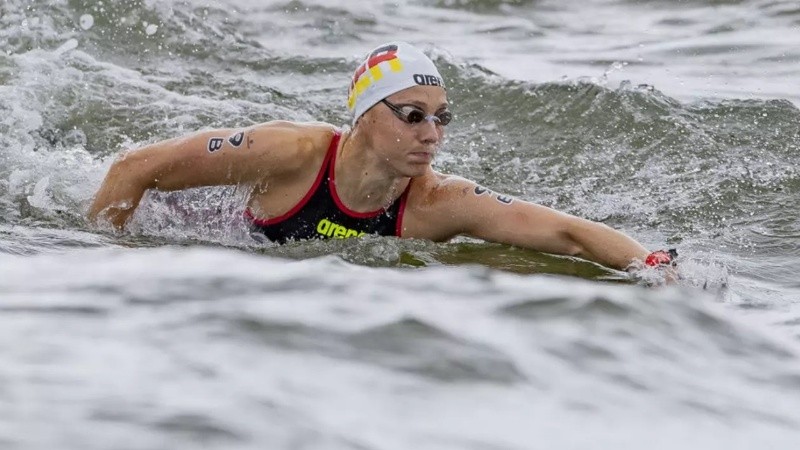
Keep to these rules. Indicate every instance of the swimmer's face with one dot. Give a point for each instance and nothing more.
(408, 148)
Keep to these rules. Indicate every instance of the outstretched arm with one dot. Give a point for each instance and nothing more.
(478, 212)
(207, 158)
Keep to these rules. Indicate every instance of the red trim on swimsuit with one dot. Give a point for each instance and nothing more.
(334, 145)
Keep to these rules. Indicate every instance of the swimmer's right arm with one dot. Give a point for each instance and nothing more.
(207, 158)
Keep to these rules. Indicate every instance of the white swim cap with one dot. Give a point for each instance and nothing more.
(389, 68)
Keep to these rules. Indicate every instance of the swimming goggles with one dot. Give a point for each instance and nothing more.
(413, 115)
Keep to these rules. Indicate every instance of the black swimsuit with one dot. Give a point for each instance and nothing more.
(320, 214)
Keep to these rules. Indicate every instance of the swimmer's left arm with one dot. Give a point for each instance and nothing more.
(481, 213)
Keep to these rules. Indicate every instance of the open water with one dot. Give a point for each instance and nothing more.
(674, 121)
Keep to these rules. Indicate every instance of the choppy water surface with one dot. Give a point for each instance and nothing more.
(676, 122)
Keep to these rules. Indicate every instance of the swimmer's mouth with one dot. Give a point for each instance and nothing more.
(423, 156)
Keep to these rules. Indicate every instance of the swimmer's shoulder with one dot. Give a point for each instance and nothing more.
(435, 190)
(292, 146)
(433, 185)
(435, 205)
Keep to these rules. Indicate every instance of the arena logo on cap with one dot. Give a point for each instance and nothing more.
(428, 80)
(362, 79)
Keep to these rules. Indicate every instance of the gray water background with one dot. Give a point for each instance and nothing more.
(676, 122)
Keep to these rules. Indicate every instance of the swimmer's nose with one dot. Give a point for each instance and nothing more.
(429, 131)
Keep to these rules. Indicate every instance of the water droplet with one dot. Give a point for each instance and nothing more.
(86, 21)
(151, 29)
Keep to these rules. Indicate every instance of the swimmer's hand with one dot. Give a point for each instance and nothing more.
(659, 267)
(661, 258)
